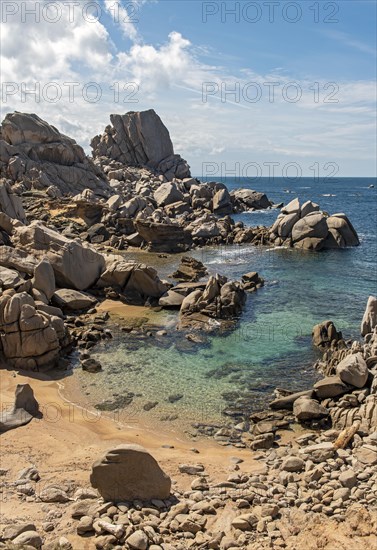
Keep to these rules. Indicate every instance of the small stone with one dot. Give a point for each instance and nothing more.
(348, 478)
(293, 464)
(138, 540)
(246, 522)
(85, 525)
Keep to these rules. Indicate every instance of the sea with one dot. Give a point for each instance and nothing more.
(198, 383)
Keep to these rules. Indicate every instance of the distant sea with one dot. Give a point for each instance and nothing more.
(272, 344)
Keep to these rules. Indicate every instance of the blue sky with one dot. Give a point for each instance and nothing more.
(319, 58)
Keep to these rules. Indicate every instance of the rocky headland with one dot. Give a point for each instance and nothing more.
(302, 473)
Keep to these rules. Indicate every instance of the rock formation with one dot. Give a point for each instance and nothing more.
(129, 472)
(305, 226)
(140, 139)
(36, 153)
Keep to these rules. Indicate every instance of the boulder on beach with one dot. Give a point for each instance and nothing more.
(306, 409)
(129, 472)
(353, 370)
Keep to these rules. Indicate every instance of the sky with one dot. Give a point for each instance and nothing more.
(259, 88)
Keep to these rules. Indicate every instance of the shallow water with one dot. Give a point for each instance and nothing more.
(271, 345)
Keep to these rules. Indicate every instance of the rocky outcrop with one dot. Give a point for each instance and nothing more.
(25, 408)
(140, 139)
(127, 473)
(35, 152)
(29, 338)
(221, 300)
(306, 227)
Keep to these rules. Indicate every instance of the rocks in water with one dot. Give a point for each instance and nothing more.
(171, 300)
(91, 365)
(75, 265)
(370, 316)
(129, 472)
(287, 401)
(324, 334)
(72, 300)
(220, 300)
(140, 139)
(353, 370)
(24, 409)
(251, 281)
(306, 409)
(30, 338)
(33, 150)
(190, 269)
(306, 227)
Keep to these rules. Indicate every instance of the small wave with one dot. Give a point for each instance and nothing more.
(328, 195)
(264, 211)
(277, 248)
(304, 187)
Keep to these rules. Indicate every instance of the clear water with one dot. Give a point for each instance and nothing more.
(272, 343)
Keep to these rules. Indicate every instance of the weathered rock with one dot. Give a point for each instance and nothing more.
(319, 452)
(167, 193)
(30, 338)
(222, 203)
(370, 316)
(28, 538)
(162, 237)
(248, 198)
(353, 370)
(12, 531)
(34, 150)
(75, 266)
(171, 300)
(342, 231)
(73, 300)
(308, 409)
(10, 203)
(288, 401)
(324, 334)
(138, 139)
(245, 522)
(293, 464)
(129, 472)
(138, 540)
(9, 278)
(190, 269)
(44, 278)
(331, 386)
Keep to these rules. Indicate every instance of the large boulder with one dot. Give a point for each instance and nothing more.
(33, 150)
(370, 316)
(127, 473)
(44, 278)
(30, 338)
(342, 230)
(353, 370)
(75, 265)
(330, 386)
(140, 139)
(312, 226)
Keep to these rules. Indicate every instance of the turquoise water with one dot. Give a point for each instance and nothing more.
(272, 343)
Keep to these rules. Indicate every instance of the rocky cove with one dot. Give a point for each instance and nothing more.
(104, 259)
